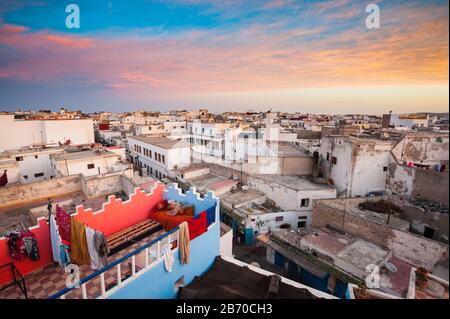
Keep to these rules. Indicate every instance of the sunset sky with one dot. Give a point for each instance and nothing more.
(305, 56)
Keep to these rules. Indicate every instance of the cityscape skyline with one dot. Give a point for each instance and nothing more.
(305, 56)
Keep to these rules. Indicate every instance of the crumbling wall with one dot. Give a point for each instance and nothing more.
(427, 150)
(427, 184)
(24, 194)
(404, 245)
(431, 185)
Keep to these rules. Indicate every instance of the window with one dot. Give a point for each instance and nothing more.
(156, 156)
(301, 224)
(328, 157)
(19, 158)
(304, 202)
(302, 217)
(385, 169)
(279, 218)
(334, 160)
(25, 176)
(163, 159)
(35, 156)
(90, 166)
(149, 153)
(38, 175)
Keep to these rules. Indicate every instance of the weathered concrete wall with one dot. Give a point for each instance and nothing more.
(427, 150)
(22, 194)
(101, 185)
(406, 246)
(431, 185)
(422, 183)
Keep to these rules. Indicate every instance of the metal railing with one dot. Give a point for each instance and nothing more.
(18, 279)
(117, 264)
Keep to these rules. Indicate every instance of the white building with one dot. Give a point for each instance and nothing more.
(18, 133)
(409, 121)
(291, 192)
(158, 156)
(355, 166)
(88, 163)
(33, 163)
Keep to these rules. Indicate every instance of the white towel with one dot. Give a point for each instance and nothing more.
(93, 253)
(168, 259)
(55, 240)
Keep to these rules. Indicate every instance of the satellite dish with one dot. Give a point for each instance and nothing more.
(391, 267)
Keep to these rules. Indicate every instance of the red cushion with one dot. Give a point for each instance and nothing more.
(198, 225)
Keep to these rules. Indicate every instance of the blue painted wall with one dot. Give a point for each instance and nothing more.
(340, 290)
(314, 281)
(158, 283)
(192, 197)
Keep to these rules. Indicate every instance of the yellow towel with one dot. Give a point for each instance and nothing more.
(185, 243)
(79, 251)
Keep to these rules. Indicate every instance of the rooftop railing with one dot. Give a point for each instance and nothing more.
(104, 292)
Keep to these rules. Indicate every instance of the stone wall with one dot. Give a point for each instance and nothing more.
(24, 194)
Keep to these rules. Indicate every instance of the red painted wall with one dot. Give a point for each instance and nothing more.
(26, 266)
(114, 217)
(117, 215)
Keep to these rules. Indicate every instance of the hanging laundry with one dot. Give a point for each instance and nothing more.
(29, 245)
(3, 179)
(55, 240)
(185, 243)
(63, 220)
(168, 259)
(410, 164)
(101, 247)
(64, 255)
(13, 240)
(93, 253)
(79, 251)
(23, 244)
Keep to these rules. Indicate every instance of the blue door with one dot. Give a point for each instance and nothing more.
(340, 290)
(279, 260)
(293, 271)
(249, 236)
(313, 281)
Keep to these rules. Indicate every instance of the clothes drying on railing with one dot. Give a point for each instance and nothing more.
(23, 244)
(101, 246)
(185, 243)
(63, 220)
(55, 240)
(79, 251)
(98, 248)
(168, 258)
(64, 255)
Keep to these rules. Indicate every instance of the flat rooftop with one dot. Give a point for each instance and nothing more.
(241, 197)
(294, 182)
(163, 142)
(211, 182)
(83, 155)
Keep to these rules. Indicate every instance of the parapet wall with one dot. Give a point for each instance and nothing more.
(25, 194)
